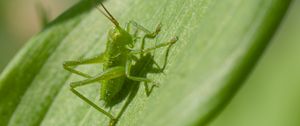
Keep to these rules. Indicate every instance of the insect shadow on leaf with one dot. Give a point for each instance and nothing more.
(144, 66)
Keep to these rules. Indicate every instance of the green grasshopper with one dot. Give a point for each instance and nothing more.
(117, 61)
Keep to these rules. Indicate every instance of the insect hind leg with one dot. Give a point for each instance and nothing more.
(92, 103)
(106, 75)
(69, 65)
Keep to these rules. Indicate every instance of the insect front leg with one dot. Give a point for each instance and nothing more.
(106, 75)
(139, 27)
(69, 65)
(148, 35)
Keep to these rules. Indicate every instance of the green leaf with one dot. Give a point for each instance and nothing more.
(219, 43)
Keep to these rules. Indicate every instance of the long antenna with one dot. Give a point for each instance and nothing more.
(107, 14)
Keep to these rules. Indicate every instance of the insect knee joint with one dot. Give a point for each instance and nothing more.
(65, 65)
(174, 39)
(73, 85)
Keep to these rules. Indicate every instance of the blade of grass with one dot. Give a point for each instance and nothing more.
(220, 41)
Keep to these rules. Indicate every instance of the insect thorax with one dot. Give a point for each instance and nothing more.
(117, 46)
(119, 37)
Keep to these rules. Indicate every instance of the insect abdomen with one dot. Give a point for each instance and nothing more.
(116, 54)
(110, 88)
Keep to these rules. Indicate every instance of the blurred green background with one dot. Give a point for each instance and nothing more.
(20, 19)
(270, 96)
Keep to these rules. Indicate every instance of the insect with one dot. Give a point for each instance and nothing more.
(117, 61)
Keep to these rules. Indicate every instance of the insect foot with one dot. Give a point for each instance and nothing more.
(112, 122)
(174, 40)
